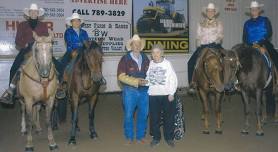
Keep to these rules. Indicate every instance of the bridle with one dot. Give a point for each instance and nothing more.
(44, 82)
(235, 60)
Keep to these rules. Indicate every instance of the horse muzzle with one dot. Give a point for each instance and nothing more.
(44, 73)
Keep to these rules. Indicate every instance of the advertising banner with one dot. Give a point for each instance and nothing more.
(163, 22)
(108, 20)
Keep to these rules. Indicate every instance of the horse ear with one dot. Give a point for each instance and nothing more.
(87, 44)
(99, 42)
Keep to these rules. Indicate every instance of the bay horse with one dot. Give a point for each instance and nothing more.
(83, 83)
(210, 83)
(37, 85)
(246, 64)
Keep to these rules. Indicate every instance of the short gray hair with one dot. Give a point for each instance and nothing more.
(159, 47)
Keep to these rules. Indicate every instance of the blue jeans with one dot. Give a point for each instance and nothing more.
(135, 98)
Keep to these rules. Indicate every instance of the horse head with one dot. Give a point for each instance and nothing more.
(42, 54)
(93, 56)
(231, 66)
(213, 70)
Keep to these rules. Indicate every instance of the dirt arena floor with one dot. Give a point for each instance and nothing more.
(109, 120)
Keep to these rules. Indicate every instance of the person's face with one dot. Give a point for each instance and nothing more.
(255, 12)
(156, 55)
(211, 13)
(33, 14)
(136, 46)
(76, 23)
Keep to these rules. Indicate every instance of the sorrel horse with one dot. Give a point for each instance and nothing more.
(246, 64)
(83, 83)
(210, 83)
(37, 85)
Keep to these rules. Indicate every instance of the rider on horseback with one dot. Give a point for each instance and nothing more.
(257, 33)
(209, 35)
(75, 37)
(24, 41)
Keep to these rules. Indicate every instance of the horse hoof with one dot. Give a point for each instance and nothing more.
(244, 132)
(93, 135)
(218, 131)
(206, 132)
(72, 141)
(23, 133)
(259, 133)
(53, 147)
(29, 149)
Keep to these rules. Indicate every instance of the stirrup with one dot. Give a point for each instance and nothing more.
(7, 97)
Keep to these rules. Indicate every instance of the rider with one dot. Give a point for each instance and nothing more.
(24, 41)
(257, 32)
(75, 37)
(209, 34)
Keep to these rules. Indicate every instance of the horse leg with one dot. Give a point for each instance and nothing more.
(218, 113)
(204, 99)
(264, 113)
(29, 110)
(259, 131)
(36, 118)
(23, 120)
(92, 105)
(245, 97)
(74, 115)
(48, 110)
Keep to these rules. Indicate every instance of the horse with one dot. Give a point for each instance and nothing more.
(247, 65)
(37, 85)
(210, 83)
(83, 83)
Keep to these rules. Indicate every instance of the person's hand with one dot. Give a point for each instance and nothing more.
(262, 50)
(171, 98)
(142, 82)
(73, 54)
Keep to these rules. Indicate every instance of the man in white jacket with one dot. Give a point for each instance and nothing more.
(162, 87)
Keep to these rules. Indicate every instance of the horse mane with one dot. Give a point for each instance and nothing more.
(246, 55)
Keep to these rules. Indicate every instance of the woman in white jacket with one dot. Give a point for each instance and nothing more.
(162, 87)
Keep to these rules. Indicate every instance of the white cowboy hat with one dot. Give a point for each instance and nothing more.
(210, 6)
(74, 16)
(255, 4)
(135, 38)
(33, 6)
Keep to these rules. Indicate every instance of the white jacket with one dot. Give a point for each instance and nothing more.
(162, 78)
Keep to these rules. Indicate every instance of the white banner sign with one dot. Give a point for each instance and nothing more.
(109, 20)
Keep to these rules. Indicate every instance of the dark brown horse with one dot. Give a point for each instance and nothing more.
(83, 84)
(247, 65)
(210, 83)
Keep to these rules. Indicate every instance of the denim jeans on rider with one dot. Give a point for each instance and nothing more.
(135, 99)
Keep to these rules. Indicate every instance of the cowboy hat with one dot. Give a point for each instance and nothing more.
(255, 4)
(210, 6)
(135, 38)
(74, 16)
(33, 6)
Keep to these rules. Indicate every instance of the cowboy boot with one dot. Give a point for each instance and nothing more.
(7, 96)
(192, 85)
(61, 93)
